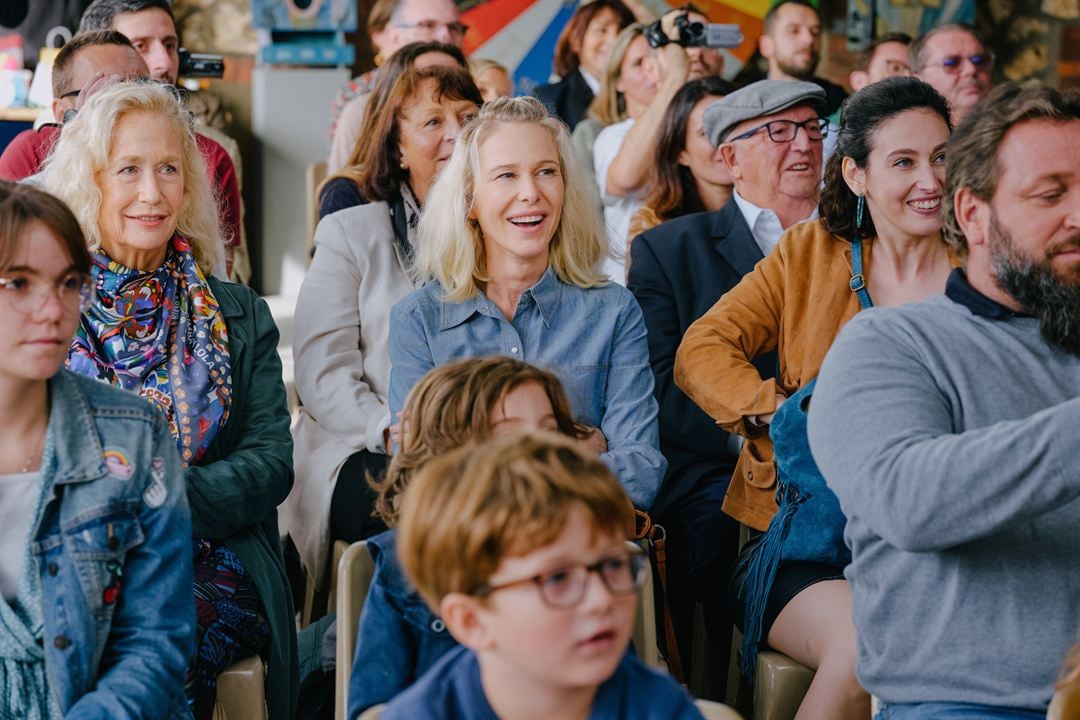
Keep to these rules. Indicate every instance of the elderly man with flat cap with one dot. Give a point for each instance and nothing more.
(770, 137)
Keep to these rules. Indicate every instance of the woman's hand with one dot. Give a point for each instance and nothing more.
(595, 440)
(767, 419)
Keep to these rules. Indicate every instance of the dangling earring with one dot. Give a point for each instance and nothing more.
(859, 208)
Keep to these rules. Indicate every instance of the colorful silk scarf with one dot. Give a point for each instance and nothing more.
(161, 334)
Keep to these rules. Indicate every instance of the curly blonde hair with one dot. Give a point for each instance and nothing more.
(451, 247)
(451, 406)
(83, 148)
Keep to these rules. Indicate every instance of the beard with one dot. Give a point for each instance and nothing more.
(803, 71)
(1037, 289)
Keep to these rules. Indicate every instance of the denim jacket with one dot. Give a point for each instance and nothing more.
(113, 550)
(399, 637)
(592, 339)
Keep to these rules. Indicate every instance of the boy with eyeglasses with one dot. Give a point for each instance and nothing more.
(520, 546)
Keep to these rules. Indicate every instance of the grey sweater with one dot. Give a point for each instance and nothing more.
(952, 441)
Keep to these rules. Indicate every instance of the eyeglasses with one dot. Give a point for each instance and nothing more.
(28, 295)
(431, 27)
(564, 588)
(784, 131)
(953, 63)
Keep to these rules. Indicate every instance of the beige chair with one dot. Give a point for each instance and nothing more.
(241, 691)
(320, 602)
(716, 711)
(644, 635)
(313, 177)
(354, 571)
(780, 686)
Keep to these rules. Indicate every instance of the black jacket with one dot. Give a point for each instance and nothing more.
(678, 270)
(568, 99)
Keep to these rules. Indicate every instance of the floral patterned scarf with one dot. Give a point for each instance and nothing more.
(161, 334)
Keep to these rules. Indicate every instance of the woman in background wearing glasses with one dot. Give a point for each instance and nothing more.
(883, 190)
(203, 352)
(95, 568)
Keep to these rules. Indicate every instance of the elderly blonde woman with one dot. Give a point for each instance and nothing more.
(510, 240)
(203, 351)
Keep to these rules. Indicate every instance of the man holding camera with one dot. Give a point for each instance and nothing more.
(624, 153)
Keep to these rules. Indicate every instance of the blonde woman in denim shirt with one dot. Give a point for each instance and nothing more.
(511, 239)
(95, 567)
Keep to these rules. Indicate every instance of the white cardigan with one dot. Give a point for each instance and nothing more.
(341, 351)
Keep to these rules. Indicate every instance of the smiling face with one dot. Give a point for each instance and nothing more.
(518, 196)
(700, 156)
(153, 33)
(428, 127)
(142, 190)
(904, 175)
(33, 345)
(763, 169)
(793, 47)
(963, 85)
(561, 648)
(637, 76)
(596, 44)
(526, 407)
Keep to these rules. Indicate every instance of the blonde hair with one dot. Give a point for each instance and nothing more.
(453, 404)
(451, 247)
(478, 66)
(609, 107)
(466, 511)
(83, 148)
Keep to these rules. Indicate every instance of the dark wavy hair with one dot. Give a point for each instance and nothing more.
(568, 45)
(675, 192)
(860, 116)
(380, 172)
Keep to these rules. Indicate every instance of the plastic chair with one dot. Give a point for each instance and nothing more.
(241, 691)
(355, 569)
(716, 711)
(780, 686)
(644, 634)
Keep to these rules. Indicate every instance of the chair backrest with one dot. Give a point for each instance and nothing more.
(716, 711)
(644, 636)
(372, 713)
(354, 572)
(313, 177)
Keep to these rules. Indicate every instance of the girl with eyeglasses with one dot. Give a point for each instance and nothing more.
(96, 618)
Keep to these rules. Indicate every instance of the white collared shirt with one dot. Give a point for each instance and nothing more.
(592, 82)
(764, 224)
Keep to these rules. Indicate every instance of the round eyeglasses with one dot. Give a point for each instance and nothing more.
(29, 294)
(563, 588)
(784, 131)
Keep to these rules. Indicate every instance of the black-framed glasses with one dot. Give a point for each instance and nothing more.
(784, 131)
(622, 573)
(953, 63)
(28, 294)
(430, 27)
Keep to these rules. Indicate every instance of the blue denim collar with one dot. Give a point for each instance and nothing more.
(545, 294)
(393, 577)
(71, 424)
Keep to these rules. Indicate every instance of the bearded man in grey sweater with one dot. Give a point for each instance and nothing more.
(950, 431)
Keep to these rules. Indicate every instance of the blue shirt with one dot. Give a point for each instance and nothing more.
(592, 339)
(399, 637)
(451, 690)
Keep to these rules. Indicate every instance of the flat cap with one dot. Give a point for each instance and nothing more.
(764, 97)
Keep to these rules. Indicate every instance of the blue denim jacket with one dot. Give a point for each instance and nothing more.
(113, 550)
(592, 339)
(399, 637)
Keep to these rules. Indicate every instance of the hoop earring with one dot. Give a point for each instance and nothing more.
(860, 207)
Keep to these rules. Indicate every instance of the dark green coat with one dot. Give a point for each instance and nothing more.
(247, 472)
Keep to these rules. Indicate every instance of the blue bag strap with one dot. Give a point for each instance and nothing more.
(858, 282)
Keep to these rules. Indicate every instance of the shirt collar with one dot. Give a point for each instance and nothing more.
(764, 224)
(545, 294)
(590, 80)
(959, 290)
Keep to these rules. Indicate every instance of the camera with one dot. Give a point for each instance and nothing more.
(695, 34)
(201, 65)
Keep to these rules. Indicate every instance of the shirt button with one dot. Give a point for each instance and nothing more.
(53, 569)
(514, 349)
(62, 642)
(438, 625)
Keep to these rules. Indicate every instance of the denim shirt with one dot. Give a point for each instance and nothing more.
(113, 550)
(399, 637)
(592, 339)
